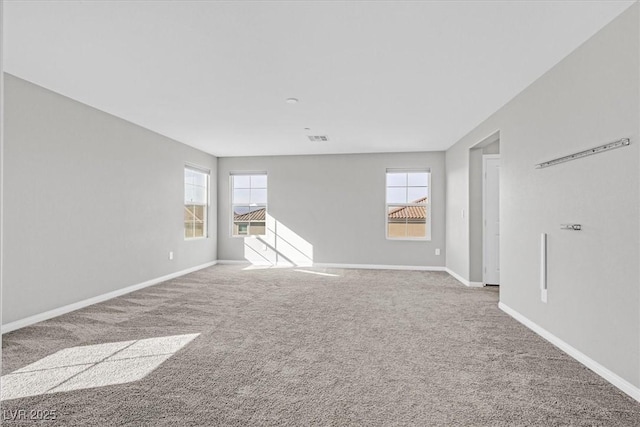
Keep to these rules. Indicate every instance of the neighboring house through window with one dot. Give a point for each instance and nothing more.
(196, 202)
(248, 204)
(408, 204)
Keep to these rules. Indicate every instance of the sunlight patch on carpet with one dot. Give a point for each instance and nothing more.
(319, 273)
(90, 366)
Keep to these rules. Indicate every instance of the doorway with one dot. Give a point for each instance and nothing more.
(489, 145)
(491, 219)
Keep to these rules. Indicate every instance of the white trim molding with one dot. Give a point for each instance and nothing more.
(462, 280)
(379, 267)
(233, 262)
(337, 265)
(27, 321)
(619, 382)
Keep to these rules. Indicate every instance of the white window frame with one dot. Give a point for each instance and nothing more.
(233, 205)
(207, 173)
(428, 205)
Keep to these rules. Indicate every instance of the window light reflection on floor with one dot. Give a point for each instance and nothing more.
(91, 366)
(279, 246)
(318, 273)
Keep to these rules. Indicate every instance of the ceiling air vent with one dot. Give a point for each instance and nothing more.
(316, 138)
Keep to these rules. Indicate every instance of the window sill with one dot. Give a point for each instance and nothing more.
(189, 239)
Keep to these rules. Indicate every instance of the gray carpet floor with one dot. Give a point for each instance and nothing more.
(285, 347)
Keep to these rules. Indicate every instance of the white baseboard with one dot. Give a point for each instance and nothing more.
(232, 262)
(379, 266)
(462, 280)
(27, 321)
(615, 379)
(346, 266)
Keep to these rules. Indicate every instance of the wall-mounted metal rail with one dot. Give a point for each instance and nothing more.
(595, 150)
(574, 227)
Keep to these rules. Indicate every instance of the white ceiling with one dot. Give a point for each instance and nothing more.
(373, 76)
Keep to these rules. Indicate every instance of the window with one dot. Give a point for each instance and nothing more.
(408, 208)
(196, 202)
(248, 204)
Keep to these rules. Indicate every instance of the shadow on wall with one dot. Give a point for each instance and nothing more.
(280, 246)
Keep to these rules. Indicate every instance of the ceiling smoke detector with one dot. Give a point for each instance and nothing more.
(315, 138)
(291, 100)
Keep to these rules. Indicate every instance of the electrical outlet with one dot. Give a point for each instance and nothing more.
(437, 251)
(170, 255)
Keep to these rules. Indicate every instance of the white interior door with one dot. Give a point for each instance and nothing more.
(491, 219)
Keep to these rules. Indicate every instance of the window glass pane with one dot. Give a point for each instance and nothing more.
(417, 194)
(195, 220)
(188, 213)
(238, 211)
(396, 179)
(397, 212)
(417, 228)
(241, 181)
(397, 229)
(192, 177)
(199, 212)
(258, 181)
(259, 196)
(195, 194)
(199, 178)
(418, 179)
(397, 195)
(241, 228)
(241, 196)
(189, 193)
(199, 194)
(257, 228)
(258, 213)
(188, 176)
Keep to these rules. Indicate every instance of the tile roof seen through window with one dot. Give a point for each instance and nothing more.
(257, 215)
(403, 212)
(410, 212)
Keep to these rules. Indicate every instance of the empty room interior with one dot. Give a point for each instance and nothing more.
(320, 213)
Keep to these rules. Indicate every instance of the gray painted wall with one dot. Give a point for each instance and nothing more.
(337, 204)
(493, 148)
(589, 98)
(92, 203)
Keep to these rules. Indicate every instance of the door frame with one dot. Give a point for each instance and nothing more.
(485, 157)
